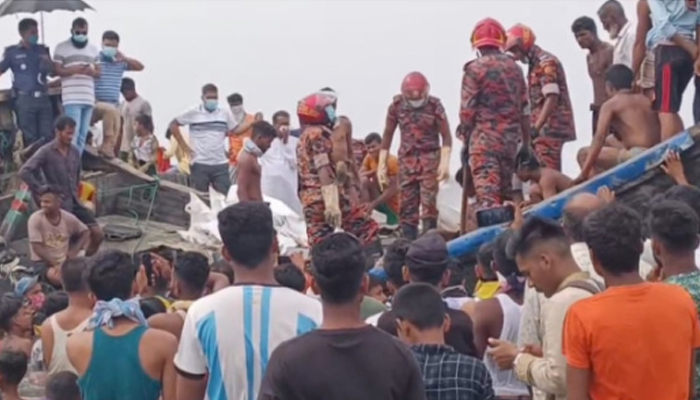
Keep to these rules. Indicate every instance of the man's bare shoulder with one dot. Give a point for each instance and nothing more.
(166, 322)
(164, 342)
(484, 309)
(246, 160)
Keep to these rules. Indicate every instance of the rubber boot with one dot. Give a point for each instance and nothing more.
(428, 224)
(409, 232)
(373, 252)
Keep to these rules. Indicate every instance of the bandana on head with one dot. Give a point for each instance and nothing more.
(106, 311)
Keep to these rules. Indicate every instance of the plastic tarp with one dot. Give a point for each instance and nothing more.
(290, 226)
(204, 230)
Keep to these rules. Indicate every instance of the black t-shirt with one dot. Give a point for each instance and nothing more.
(352, 364)
(460, 336)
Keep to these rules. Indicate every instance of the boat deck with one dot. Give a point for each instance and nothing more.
(155, 235)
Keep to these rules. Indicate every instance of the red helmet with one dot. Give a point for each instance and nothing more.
(488, 32)
(415, 85)
(521, 36)
(317, 109)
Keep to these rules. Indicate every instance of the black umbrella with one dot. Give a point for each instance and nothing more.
(9, 7)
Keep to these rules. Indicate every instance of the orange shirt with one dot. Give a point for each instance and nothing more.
(392, 168)
(635, 340)
(236, 141)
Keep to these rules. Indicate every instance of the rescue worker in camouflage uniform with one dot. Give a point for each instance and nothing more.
(494, 115)
(326, 204)
(552, 118)
(423, 162)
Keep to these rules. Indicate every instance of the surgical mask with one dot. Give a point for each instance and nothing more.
(80, 38)
(109, 52)
(417, 103)
(614, 32)
(238, 111)
(34, 39)
(211, 104)
(330, 113)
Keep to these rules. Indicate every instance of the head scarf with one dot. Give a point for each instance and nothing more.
(106, 311)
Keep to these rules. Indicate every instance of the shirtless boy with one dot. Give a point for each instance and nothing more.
(632, 118)
(599, 59)
(544, 182)
(248, 166)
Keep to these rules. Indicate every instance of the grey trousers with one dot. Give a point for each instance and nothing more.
(202, 176)
(34, 117)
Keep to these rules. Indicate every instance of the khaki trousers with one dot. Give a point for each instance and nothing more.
(111, 125)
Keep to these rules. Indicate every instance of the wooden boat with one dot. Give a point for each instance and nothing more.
(127, 201)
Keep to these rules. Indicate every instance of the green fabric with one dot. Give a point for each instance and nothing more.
(121, 377)
(691, 283)
(370, 306)
(391, 217)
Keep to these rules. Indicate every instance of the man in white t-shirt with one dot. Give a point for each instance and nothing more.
(75, 61)
(622, 31)
(209, 126)
(228, 336)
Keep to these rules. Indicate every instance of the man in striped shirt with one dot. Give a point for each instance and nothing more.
(76, 63)
(113, 64)
(210, 125)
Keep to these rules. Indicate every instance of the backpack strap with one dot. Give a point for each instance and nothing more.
(589, 286)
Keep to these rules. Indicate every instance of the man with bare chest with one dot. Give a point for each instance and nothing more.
(544, 182)
(249, 171)
(631, 115)
(343, 157)
(599, 58)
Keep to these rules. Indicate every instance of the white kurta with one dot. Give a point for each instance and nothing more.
(279, 173)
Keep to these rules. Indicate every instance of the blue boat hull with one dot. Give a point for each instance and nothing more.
(619, 178)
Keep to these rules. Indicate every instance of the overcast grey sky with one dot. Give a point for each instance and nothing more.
(275, 52)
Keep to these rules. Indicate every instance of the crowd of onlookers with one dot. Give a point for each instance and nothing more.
(576, 310)
(603, 304)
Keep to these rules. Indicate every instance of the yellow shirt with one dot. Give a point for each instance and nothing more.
(392, 168)
(183, 159)
(486, 289)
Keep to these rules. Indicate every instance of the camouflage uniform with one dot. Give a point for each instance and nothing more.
(494, 101)
(547, 73)
(359, 151)
(314, 143)
(419, 157)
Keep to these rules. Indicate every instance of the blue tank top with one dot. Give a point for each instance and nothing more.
(115, 371)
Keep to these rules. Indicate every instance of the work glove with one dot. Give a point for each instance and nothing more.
(332, 202)
(382, 175)
(444, 167)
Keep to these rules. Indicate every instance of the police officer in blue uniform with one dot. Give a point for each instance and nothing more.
(30, 63)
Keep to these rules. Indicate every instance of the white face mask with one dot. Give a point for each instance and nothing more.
(238, 110)
(417, 103)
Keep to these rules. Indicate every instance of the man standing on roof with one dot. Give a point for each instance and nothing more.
(494, 114)
(552, 118)
(622, 31)
(599, 59)
(422, 121)
(326, 204)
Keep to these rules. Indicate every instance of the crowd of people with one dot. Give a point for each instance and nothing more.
(600, 305)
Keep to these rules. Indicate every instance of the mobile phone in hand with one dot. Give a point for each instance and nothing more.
(495, 216)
